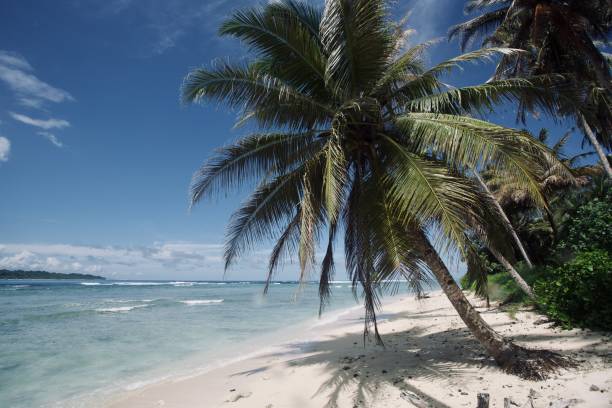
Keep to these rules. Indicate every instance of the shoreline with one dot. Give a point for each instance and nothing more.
(429, 358)
(305, 330)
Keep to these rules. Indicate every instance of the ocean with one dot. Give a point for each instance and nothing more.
(74, 343)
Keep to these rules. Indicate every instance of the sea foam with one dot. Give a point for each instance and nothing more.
(119, 309)
(201, 302)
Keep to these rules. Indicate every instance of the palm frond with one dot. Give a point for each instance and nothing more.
(409, 63)
(358, 254)
(423, 191)
(334, 179)
(469, 143)
(252, 158)
(278, 34)
(478, 26)
(358, 42)
(428, 82)
(263, 214)
(473, 5)
(308, 225)
(327, 269)
(484, 98)
(248, 88)
(285, 245)
(394, 259)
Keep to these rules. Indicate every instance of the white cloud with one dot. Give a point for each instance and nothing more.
(29, 90)
(428, 19)
(30, 102)
(5, 149)
(52, 138)
(174, 260)
(14, 60)
(51, 123)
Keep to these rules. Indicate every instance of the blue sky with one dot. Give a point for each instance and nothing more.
(96, 152)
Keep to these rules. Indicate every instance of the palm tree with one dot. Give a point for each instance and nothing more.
(561, 37)
(549, 177)
(513, 201)
(358, 139)
(531, 222)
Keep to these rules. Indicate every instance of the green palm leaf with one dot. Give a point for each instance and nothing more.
(252, 158)
(249, 88)
(423, 191)
(357, 42)
(470, 143)
(278, 33)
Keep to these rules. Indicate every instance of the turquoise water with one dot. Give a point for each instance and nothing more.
(63, 343)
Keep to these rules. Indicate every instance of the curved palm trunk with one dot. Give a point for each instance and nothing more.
(593, 139)
(501, 212)
(496, 345)
(526, 363)
(515, 275)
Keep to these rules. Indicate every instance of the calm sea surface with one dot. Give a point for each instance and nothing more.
(67, 343)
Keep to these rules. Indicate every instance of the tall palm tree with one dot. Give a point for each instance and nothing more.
(561, 36)
(530, 222)
(552, 174)
(513, 201)
(359, 140)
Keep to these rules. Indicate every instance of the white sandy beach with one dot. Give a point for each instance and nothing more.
(429, 360)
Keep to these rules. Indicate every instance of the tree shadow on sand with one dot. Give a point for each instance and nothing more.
(408, 357)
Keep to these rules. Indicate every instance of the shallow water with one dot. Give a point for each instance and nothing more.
(63, 343)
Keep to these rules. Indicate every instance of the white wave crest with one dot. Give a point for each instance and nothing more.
(119, 309)
(201, 302)
(139, 283)
(179, 284)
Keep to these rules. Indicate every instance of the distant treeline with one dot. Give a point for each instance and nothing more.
(6, 274)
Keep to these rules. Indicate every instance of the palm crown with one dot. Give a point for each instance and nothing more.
(564, 33)
(357, 139)
(560, 36)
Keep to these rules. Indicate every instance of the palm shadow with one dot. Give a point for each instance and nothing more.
(408, 356)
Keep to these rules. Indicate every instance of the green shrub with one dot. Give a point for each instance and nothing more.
(579, 293)
(591, 227)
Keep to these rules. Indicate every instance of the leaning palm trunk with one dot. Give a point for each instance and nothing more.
(507, 222)
(515, 275)
(530, 364)
(593, 139)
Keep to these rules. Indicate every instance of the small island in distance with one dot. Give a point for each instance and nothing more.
(7, 274)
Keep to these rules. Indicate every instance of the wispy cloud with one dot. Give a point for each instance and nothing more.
(51, 137)
(14, 60)
(168, 21)
(51, 123)
(428, 18)
(17, 74)
(117, 6)
(31, 92)
(5, 148)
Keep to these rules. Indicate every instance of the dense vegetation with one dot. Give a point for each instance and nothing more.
(564, 245)
(572, 277)
(578, 292)
(7, 274)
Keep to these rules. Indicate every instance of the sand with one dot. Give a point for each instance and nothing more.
(430, 359)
